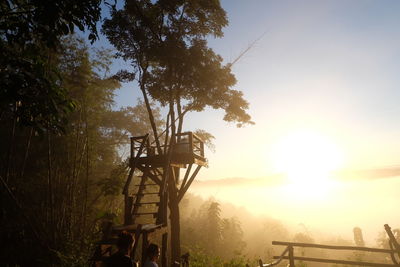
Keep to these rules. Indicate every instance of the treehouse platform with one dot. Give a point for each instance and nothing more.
(188, 149)
(154, 169)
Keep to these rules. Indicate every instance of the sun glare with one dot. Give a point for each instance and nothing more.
(307, 158)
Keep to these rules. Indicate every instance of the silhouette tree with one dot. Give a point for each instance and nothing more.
(165, 43)
(232, 243)
(61, 186)
(30, 32)
(214, 229)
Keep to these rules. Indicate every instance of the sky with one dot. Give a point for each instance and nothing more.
(327, 67)
(322, 84)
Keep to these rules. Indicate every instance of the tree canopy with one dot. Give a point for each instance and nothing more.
(165, 43)
(56, 189)
(30, 33)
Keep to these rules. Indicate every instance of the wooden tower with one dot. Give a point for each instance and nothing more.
(153, 178)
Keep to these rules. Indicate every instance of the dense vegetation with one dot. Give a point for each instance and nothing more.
(220, 234)
(59, 186)
(61, 136)
(165, 43)
(60, 169)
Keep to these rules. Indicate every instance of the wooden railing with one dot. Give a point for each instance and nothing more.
(288, 253)
(186, 142)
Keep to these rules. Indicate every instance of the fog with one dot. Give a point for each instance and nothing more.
(328, 211)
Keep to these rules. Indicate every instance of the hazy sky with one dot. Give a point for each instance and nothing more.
(329, 67)
(326, 67)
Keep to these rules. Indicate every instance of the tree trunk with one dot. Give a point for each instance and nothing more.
(166, 134)
(174, 216)
(11, 146)
(180, 116)
(151, 117)
(173, 201)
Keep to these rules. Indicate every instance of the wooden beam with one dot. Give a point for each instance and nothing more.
(137, 236)
(128, 210)
(186, 175)
(128, 182)
(307, 245)
(291, 256)
(183, 190)
(133, 163)
(360, 263)
(167, 163)
(139, 195)
(279, 259)
(132, 146)
(173, 174)
(145, 244)
(392, 238)
(150, 175)
(164, 249)
(191, 142)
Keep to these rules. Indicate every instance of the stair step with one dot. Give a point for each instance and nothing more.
(146, 213)
(148, 203)
(144, 194)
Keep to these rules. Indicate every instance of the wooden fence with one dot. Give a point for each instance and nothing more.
(288, 253)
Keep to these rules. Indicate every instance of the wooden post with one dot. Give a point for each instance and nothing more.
(202, 148)
(128, 210)
(148, 148)
(164, 249)
(138, 232)
(132, 149)
(291, 256)
(190, 142)
(173, 203)
(145, 244)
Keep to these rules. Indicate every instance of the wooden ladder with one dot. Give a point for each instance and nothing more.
(147, 198)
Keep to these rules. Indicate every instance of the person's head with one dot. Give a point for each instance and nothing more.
(153, 252)
(125, 241)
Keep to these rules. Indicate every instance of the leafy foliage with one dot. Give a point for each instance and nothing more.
(205, 232)
(165, 43)
(65, 185)
(30, 33)
(207, 138)
(27, 20)
(200, 259)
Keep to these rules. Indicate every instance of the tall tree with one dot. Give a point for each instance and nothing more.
(214, 229)
(165, 43)
(61, 186)
(30, 33)
(232, 238)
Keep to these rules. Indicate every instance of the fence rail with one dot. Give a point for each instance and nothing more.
(288, 253)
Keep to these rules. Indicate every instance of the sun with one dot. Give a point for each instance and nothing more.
(307, 158)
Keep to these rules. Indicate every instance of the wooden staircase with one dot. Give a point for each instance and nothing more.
(145, 191)
(146, 201)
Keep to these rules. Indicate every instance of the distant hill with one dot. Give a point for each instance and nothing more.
(240, 181)
(363, 174)
(369, 174)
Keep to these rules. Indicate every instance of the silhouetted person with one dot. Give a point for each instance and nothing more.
(122, 257)
(185, 259)
(152, 255)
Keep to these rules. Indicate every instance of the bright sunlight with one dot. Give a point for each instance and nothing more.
(307, 158)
